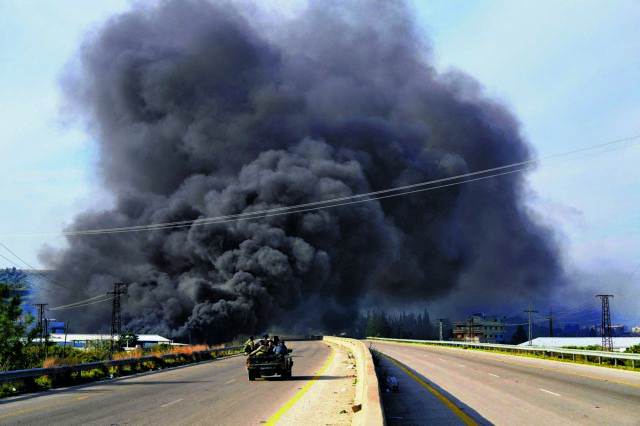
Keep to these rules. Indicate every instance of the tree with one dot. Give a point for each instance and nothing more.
(126, 339)
(520, 336)
(378, 326)
(13, 329)
(635, 349)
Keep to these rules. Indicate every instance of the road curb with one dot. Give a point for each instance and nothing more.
(367, 389)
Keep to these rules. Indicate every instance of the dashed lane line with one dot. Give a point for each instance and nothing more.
(549, 392)
(171, 403)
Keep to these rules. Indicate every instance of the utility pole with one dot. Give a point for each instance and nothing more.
(471, 330)
(116, 319)
(607, 335)
(441, 320)
(66, 331)
(530, 326)
(41, 320)
(550, 318)
(46, 338)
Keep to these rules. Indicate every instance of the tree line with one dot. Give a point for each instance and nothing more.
(411, 325)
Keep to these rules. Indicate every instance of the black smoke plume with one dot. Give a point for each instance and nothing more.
(202, 109)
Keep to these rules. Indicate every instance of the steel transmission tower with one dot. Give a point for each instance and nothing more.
(116, 319)
(607, 335)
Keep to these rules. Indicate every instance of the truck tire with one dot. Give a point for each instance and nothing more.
(286, 375)
(252, 375)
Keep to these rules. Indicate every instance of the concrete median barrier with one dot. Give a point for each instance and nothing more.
(367, 389)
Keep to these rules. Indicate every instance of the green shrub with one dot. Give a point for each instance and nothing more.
(635, 349)
(94, 374)
(10, 388)
(161, 347)
(44, 382)
(32, 357)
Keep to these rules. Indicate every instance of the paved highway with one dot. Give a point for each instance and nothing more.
(209, 393)
(489, 388)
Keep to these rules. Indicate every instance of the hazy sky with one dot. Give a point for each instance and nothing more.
(568, 69)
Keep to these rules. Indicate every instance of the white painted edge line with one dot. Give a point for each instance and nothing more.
(171, 403)
(494, 375)
(548, 391)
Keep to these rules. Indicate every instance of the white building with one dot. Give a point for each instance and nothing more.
(84, 340)
(619, 343)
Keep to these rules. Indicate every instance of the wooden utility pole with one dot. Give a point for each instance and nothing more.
(550, 318)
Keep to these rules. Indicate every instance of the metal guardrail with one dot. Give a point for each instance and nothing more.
(537, 350)
(68, 369)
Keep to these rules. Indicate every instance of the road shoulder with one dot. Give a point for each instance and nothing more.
(330, 396)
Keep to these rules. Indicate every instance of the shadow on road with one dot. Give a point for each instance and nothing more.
(413, 403)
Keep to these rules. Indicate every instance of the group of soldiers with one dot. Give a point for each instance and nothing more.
(265, 346)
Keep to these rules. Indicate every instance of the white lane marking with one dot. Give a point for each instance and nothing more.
(171, 403)
(548, 391)
(494, 375)
(229, 381)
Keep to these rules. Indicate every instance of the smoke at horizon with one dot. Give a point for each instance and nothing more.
(198, 111)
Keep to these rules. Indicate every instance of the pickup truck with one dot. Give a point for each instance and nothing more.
(259, 365)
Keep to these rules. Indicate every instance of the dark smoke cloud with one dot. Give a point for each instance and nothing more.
(201, 112)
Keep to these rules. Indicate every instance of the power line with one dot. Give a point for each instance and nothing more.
(34, 273)
(33, 284)
(301, 208)
(81, 303)
(576, 312)
(16, 256)
(341, 201)
(353, 199)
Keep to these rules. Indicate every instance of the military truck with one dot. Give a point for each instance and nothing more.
(259, 365)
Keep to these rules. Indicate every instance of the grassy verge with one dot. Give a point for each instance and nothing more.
(182, 355)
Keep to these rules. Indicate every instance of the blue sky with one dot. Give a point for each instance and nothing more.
(568, 70)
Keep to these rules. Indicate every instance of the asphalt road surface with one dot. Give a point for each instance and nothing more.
(209, 393)
(490, 388)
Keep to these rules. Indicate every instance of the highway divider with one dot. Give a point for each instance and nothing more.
(367, 389)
